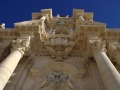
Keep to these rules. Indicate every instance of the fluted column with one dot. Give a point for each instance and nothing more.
(109, 73)
(8, 65)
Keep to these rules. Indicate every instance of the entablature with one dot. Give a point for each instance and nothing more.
(114, 51)
(86, 22)
(112, 35)
(8, 33)
(84, 30)
(29, 23)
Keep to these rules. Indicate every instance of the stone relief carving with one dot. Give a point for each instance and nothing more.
(68, 49)
(57, 77)
(62, 21)
(59, 54)
(59, 41)
(99, 45)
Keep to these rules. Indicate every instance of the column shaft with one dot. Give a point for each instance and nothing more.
(7, 67)
(109, 73)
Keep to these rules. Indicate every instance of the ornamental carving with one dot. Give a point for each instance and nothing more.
(21, 44)
(99, 46)
(57, 78)
(59, 54)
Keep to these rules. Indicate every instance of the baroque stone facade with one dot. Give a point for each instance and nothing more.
(59, 53)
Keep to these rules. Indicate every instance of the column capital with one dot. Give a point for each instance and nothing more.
(21, 44)
(99, 46)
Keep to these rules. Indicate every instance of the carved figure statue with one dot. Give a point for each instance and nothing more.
(67, 16)
(81, 17)
(2, 26)
(58, 16)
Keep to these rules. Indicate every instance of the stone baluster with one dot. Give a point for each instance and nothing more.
(8, 65)
(109, 73)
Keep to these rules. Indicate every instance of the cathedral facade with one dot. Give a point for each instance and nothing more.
(59, 53)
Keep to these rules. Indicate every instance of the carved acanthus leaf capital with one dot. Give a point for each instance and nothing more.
(21, 44)
(99, 46)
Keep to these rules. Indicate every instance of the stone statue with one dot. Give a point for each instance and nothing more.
(2, 26)
(67, 16)
(58, 16)
(81, 17)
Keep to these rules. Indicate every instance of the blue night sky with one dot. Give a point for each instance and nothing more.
(106, 11)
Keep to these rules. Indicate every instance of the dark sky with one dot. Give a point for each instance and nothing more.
(106, 11)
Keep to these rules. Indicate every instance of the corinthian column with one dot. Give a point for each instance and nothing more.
(8, 65)
(109, 73)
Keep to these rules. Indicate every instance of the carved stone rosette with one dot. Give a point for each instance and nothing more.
(21, 44)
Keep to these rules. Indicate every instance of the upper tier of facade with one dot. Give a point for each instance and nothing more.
(63, 36)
